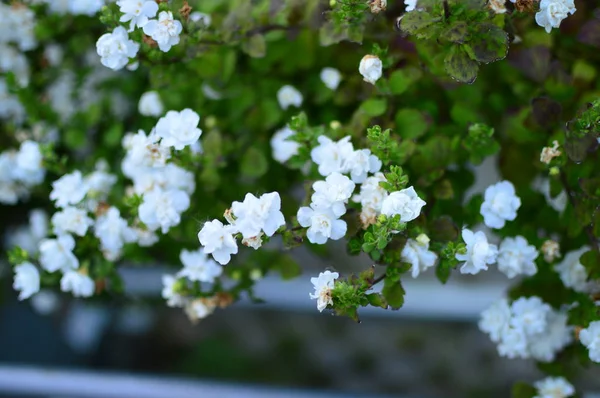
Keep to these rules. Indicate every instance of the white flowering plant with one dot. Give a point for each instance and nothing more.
(178, 132)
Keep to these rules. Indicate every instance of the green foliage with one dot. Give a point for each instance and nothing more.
(480, 143)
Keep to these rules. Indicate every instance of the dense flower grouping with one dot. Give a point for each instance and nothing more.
(101, 209)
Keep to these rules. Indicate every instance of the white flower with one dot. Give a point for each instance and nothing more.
(557, 335)
(28, 236)
(199, 308)
(370, 68)
(57, 254)
(371, 198)
(71, 220)
(495, 320)
(554, 387)
(288, 95)
(513, 344)
(254, 242)
(197, 16)
(198, 267)
(60, 95)
(218, 240)
(410, 5)
(552, 12)
(479, 253)
(137, 11)
(144, 237)
(163, 208)
(500, 205)
(406, 203)
(559, 202)
(333, 193)
(115, 48)
(143, 152)
(113, 232)
(551, 250)
(323, 285)
(256, 214)
(573, 274)
(360, 163)
(418, 254)
(549, 153)
(69, 189)
(498, 6)
(54, 54)
(27, 280)
(179, 129)
(282, 147)
(77, 283)
(165, 31)
(28, 162)
(150, 103)
(332, 156)
(517, 257)
(10, 107)
(168, 292)
(529, 315)
(377, 6)
(85, 7)
(331, 77)
(590, 337)
(322, 224)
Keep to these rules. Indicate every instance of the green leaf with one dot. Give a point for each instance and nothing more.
(255, 46)
(490, 43)
(393, 293)
(377, 300)
(112, 136)
(416, 23)
(523, 390)
(374, 106)
(458, 32)
(591, 186)
(459, 66)
(443, 229)
(591, 261)
(254, 163)
(401, 79)
(287, 267)
(410, 123)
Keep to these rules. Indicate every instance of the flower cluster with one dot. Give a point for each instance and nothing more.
(116, 48)
(253, 219)
(17, 24)
(165, 187)
(574, 275)
(554, 387)
(590, 337)
(328, 204)
(197, 268)
(20, 171)
(75, 7)
(527, 328)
